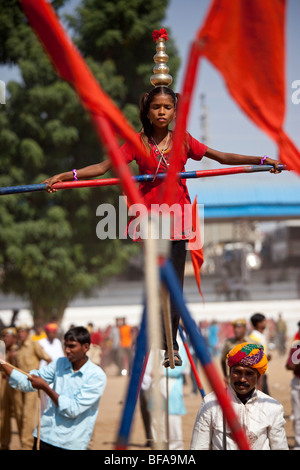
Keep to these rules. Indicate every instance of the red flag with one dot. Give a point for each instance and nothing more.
(245, 41)
(196, 253)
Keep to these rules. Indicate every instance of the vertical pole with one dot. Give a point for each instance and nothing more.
(152, 283)
(167, 412)
(136, 377)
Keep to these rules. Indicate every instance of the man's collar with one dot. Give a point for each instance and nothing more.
(82, 368)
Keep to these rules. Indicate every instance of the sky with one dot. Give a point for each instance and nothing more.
(228, 129)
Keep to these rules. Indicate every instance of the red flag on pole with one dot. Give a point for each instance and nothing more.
(245, 41)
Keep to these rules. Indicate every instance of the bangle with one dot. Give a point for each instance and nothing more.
(263, 159)
(75, 175)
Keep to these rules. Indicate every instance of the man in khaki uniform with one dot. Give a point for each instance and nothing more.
(7, 393)
(28, 357)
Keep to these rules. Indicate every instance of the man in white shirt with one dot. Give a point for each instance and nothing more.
(51, 344)
(261, 416)
(53, 347)
(257, 336)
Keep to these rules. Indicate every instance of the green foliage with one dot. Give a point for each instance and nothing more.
(121, 31)
(49, 251)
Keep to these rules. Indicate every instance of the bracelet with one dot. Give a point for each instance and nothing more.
(263, 159)
(75, 175)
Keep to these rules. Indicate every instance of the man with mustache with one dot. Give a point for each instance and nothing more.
(261, 416)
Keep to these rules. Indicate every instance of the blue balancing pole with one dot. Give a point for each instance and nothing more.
(22, 189)
(138, 179)
(134, 386)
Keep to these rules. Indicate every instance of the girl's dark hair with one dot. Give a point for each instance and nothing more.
(79, 334)
(145, 102)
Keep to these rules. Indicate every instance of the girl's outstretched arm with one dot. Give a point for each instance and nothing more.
(226, 158)
(91, 171)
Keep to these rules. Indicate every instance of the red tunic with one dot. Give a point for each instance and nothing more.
(151, 191)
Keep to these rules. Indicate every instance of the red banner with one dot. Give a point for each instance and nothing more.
(245, 41)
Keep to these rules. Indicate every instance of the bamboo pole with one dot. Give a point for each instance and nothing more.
(152, 284)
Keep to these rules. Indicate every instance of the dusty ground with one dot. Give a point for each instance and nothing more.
(112, 405)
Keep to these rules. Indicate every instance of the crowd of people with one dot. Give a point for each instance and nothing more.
(44, 354)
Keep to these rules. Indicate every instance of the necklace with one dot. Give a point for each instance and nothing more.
(161, 152)
(162, 157)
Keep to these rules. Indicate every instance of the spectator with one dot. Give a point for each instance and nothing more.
(144, 400)
(213, 338)
(53, 347)
(68, 421)
(281, 335)
(240, 336)
(39, 331)
(126, 338)
(261, 416)
(28, 357)
(95, 351)
(259, 324)
(293, 364)
(297, 335)
(7, 394)
(115, 352)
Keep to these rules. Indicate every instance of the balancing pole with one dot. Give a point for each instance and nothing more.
(138, 179)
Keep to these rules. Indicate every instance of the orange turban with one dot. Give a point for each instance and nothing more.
(250, 355)
(51, 327)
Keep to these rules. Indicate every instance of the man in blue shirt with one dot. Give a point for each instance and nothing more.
(69, 418)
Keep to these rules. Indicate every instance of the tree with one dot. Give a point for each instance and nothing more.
(49, 251)
(121, 31)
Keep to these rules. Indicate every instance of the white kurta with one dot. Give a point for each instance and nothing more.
(262, 417)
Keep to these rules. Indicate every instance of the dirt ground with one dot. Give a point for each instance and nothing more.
(112, 403)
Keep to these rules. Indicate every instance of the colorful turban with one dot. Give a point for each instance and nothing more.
(250, 355)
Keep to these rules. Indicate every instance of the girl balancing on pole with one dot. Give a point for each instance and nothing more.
(157, 112)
